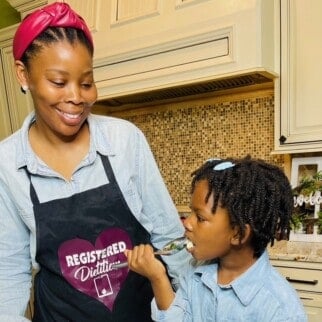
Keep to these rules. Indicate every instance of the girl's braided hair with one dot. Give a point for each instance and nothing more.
(254, 192)
(56, 34)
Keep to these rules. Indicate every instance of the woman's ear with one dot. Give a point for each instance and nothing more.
(237, 239)
(22, 76)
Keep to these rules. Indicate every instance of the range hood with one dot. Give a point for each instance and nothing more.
(213, 87)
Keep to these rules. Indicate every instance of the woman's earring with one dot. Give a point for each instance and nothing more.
(24, 88)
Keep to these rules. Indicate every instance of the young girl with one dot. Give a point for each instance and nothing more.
(238, 207)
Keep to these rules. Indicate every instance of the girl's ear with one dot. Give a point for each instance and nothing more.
(237, 240)
(21, 73)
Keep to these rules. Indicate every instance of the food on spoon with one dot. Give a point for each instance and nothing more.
(189, 244)
(171, 246)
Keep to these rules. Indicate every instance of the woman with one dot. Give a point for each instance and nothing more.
(76, 189)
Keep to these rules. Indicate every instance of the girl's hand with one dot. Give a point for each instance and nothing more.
(143, 261)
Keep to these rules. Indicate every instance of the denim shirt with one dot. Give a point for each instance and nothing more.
(135, 170)
(260, 294)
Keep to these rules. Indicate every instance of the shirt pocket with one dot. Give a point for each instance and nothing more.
(132, 197)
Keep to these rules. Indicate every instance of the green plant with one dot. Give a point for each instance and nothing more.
(303, 214)
(309, 184)
(296, 222)
(319, 222)
(300, 217)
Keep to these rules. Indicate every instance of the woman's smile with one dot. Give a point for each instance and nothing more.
(70, 118)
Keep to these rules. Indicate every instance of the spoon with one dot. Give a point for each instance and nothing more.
(172, 247)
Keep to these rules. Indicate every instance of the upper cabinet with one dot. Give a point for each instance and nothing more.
(298, 91)
(146, 45)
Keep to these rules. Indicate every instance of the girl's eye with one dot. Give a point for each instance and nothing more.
(199, 219)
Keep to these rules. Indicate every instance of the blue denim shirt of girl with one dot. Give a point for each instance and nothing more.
(260, 294)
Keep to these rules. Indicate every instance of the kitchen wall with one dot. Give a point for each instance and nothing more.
(184, 134)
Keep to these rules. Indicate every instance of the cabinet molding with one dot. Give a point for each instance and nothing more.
(163, 63)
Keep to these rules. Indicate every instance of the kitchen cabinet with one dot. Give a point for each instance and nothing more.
(306, 278)
(298, 91)
(14, 106)
(147, 45)
(5, 124)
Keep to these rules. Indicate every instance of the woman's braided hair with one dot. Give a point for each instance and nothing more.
(56, 34)
(255, 193)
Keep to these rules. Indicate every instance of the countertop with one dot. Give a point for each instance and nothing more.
(296, 251)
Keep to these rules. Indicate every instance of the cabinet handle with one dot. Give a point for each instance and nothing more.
(282, 139)
(294, 280)
(306, 298)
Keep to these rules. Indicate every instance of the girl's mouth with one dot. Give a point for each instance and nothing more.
(189, 245)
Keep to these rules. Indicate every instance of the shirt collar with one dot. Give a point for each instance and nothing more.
(250, 282)
(99, 142)
(246, 286)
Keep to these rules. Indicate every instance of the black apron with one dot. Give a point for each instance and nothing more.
(78, 238)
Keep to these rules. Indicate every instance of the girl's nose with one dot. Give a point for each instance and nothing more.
(187, 223)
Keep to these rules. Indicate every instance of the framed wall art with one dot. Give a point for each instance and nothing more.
(306, 181)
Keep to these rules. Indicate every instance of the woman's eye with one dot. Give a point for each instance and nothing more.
(87, 85)
(57, 83)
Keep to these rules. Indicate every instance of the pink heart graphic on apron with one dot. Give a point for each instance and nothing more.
(88, 268)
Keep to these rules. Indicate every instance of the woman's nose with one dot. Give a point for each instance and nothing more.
(74, 95)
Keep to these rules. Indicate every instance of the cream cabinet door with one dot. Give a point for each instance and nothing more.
(124, 29)
(19, 104)
(299, 94)
(5, 124)
(313, 306)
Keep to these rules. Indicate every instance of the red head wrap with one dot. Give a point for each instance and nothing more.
(57, 14)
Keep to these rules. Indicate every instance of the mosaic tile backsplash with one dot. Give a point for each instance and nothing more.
(183, 135)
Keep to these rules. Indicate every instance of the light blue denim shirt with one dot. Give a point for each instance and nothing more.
(260, 294)
(137, 175)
